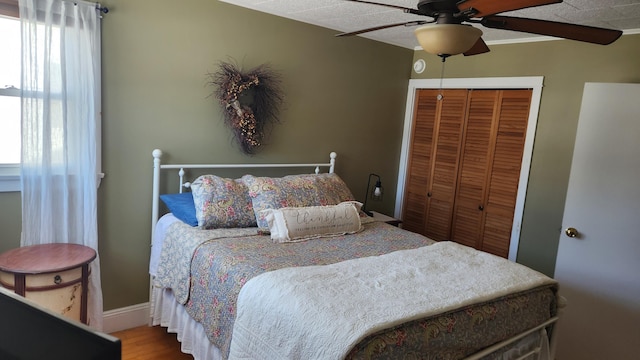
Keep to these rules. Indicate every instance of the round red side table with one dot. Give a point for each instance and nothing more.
(55, 276)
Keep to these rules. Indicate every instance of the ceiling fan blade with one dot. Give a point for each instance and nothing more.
(406, 23)
(489, 7)
(584, 33)
(480, 47)
(406, 9)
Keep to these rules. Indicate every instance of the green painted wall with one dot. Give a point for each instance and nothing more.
(566, 66)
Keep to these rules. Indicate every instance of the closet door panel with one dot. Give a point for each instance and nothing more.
(465, 228)
(420, 158)
(497, 233)
(513, 115)
(448, 135)
(475, 167)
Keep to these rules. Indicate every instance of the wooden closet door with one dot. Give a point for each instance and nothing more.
(475, 167)
(433, 164)
(490, 169)
(420, 157)
(502, 189)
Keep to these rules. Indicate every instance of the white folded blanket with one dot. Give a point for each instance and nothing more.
(321, 312)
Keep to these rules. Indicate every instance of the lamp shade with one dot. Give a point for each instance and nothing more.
(447, 39)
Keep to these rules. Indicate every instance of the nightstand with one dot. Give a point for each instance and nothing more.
(55, 276)
(384, 218)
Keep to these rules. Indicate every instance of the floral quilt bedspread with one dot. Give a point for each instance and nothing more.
(220, 266)
(181, 242)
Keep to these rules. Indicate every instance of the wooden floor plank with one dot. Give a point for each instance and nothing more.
(150, 343)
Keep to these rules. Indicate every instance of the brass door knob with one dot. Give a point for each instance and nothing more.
(571, 232)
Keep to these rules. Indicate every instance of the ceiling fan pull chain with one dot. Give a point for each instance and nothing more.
(444, 57)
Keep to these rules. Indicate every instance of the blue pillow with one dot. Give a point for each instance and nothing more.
(182, 207)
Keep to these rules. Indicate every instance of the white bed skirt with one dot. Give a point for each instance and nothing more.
(167, 312)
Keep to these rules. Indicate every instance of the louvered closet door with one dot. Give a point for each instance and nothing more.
(475, 165)
(419, 169)
(490, 169)
(505, 171)
(433, 164)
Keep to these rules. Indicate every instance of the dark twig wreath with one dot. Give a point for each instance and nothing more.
(250, 102)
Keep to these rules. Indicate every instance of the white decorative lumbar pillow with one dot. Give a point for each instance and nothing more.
(292, 224)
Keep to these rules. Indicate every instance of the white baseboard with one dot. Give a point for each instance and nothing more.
(125, 318)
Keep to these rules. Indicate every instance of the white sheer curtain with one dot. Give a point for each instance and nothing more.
(60, 123)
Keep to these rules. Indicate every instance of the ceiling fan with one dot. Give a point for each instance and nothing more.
(449, 35)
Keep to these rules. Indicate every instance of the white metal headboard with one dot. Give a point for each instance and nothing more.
(157, 166)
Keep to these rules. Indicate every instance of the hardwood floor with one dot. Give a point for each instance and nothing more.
(147, 343)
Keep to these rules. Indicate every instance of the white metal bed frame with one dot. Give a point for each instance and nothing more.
(158, 166)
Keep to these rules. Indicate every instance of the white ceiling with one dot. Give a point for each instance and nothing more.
(347, 16)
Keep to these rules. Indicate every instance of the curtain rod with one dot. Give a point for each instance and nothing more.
(99, 7)
(102, 9)
(10, 7)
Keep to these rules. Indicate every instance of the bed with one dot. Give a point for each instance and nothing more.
(289, 268)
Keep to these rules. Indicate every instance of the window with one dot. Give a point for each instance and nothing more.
(10, 104)
(10, 92)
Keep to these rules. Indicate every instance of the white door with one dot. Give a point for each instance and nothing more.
(599, 269)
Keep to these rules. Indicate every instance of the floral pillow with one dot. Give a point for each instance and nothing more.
(222, 203)
(294, 191)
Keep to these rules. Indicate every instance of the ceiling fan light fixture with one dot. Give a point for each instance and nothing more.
(447, 39)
